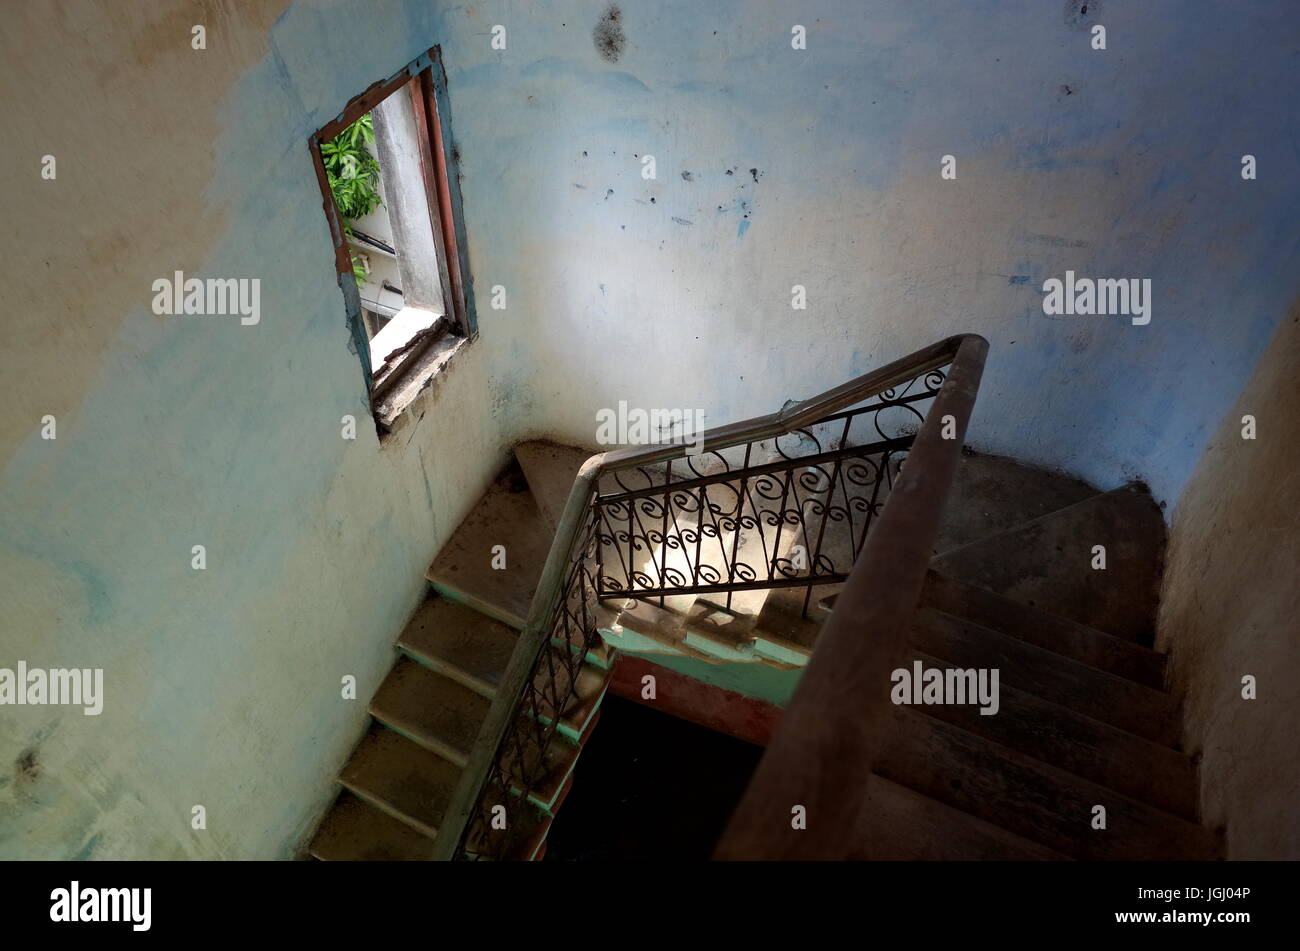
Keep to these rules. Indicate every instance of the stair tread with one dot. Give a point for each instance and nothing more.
(1047, 562)
(550, 469)
(1041, 627)
(431, 709)
(402, 778)
(719, 631)
(782, 621)
(1077, 744)
(991, 494)
(463, 643)
(664, 626)
(1034, 626)
(444, 717)
(1117, 701)
(899, 824)
(354, 831)
(506, 515)
(473, 650)
(1032, 799)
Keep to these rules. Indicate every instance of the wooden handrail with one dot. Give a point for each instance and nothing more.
(829, 738)
(965, 352)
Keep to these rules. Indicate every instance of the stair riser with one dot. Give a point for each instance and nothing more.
(1043, 629)
(1093, 693)
(389, 808)
(1048, 563)
(899, 824)
(497, 612)
(431, 743)
(571, 727)
(1046, 806)
(1079, 745)
(354, 830)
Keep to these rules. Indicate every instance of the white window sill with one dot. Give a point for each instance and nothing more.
(396, 334)
(411, 395)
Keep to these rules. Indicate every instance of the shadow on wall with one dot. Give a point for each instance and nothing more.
(1229, 611)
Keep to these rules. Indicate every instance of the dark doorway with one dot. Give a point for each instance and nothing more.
(650, 786)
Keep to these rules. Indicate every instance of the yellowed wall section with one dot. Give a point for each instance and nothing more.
(132, 115)
(222, 686)
(1231, 608)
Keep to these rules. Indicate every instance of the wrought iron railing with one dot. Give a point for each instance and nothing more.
(783, 500)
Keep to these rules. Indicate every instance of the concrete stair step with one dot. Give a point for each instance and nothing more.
(432, 710)
(663, 627)
(1122, 703)
(507, 515)
(782, 632)
(1031, 799)
(663, 624)
(900, 824)
(444, 717)
(1080, 745)
(991, 494)
(666, 623)
(718, 626)
(1047, 562)
(473, 650)
(713, 546)
(750, 549)
(459, 642)
(550, 469)
(719, 631)
(709, 632)
(354, 831)
(1040, 627)
(405, 780)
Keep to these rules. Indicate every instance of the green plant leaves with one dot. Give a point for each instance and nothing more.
(352, 172)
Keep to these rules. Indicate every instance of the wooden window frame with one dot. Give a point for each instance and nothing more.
(425, 81)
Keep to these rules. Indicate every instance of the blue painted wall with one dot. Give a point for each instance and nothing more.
(675, 292)
(223, 686)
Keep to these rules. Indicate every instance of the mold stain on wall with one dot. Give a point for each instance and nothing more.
(608, 34)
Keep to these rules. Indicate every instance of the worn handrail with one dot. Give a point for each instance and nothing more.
(830, 736)
(964, 350)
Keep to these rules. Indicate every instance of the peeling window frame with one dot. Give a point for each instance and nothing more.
(411, 365)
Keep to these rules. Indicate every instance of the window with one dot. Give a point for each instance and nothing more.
(393, 203)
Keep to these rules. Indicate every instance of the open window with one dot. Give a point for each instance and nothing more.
(390, 191)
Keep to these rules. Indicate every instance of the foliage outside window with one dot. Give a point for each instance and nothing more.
(353, 175)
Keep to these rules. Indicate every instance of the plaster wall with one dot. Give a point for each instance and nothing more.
(223, 686)
(1231, 608)
(821, 167)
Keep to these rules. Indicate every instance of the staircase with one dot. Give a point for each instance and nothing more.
(1084, 717)
(425, 716)
(477, 728)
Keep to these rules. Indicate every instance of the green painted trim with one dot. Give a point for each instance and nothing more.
(758, 680)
